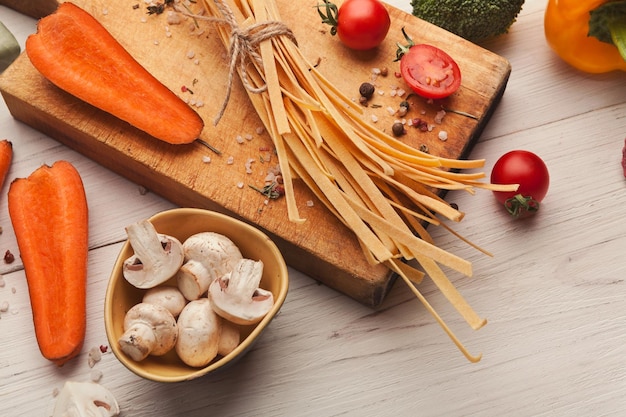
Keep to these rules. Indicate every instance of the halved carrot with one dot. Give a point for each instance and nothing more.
(6, 156)
(77, 54)
(49, 215)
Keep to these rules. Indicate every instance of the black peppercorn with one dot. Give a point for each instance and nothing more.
(398, 129)
(366, 90)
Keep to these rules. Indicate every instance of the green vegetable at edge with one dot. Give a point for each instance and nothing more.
(9, 48)
(474, 20)
(608, 24)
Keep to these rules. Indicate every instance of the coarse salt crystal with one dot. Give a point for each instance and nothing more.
(94, 356)
(309, 203)
(206, 159)
(239, 139)
(442, 135)
(96, 375)
(230, 160)
(190, 54)
(240, 185)
(248, 165)
(248, 136)
(374, 118)
(173, 18)
(4, 307)
(439, 116)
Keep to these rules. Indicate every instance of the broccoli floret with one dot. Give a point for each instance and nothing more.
(474, 20)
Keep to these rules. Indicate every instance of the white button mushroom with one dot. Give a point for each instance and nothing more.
(214, 250)
(208, 255)
(149, 329)
(229, 338)
(157, 256)
(85, 399)
(167, 296)
(199, 333)
(237, 297)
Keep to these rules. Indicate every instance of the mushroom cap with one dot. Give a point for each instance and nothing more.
(157, 256)
(149, 329)
(167, 296)
(237, 296)
(85, 399)
(229, 338)
(199, 333)
(215, 251)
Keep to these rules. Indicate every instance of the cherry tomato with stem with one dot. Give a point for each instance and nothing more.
(360, 24)
(530, 172)
(428, 70)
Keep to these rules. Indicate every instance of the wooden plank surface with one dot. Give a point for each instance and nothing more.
(553, 292)
(321, 247)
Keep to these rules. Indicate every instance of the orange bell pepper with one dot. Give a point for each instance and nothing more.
(567, 31)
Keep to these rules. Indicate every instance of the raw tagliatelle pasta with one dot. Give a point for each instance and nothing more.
(380, 188)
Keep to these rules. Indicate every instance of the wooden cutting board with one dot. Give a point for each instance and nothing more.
(183, 55)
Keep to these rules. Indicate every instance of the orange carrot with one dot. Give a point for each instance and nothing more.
(77, 54)
(48, 212)
(6, 156)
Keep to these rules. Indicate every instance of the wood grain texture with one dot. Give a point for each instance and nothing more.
(322, 247)
(553, 292)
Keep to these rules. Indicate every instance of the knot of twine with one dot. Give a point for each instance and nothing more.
(243, 46)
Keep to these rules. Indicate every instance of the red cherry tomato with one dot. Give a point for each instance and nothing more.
(430, 72)
(360, 24)
(530, 172)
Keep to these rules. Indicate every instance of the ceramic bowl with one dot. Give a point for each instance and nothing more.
(182, 223)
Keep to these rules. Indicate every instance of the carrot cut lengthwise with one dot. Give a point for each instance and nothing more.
(77, 54)
(6, 156)
(49, 214)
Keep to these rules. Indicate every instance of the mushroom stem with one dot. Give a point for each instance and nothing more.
(245, 278)
(149, 329)
(193, 279)
(146, 243)
(138, 341)
(157, 256)
(237, 296)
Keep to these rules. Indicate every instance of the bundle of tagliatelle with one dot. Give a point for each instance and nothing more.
(382, 189)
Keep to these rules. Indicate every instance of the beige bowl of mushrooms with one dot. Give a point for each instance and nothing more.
(190, 292)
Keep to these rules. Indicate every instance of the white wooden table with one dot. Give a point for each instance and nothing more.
(554, 293)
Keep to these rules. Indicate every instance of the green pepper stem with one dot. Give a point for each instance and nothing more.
(617, 27)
